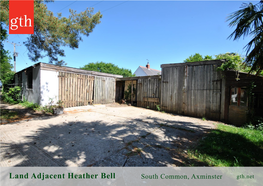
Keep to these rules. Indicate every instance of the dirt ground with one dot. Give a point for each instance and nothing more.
(17, 113)
(101, 135)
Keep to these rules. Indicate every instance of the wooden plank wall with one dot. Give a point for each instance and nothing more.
(149, 92)
(104, 90)
(193, 90)
(75, 89)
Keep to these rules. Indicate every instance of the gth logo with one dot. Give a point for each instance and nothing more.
(21, 20)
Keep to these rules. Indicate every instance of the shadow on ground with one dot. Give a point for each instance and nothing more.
(149, 142)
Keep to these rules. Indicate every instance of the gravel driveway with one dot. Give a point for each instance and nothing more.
(111, 135)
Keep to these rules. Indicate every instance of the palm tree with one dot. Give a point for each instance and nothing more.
(248, 21)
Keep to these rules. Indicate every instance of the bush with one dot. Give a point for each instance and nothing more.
(13, 95)
(7, 79)
(256, 124)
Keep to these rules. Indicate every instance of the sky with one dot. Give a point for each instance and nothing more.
(131, 33)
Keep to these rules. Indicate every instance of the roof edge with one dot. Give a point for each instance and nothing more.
(48, 66)
(194, 63)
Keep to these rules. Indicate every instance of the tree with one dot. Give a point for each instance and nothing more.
(5, 58)
(108, 68)
(198, 57)
(248, 21)
(51, 32)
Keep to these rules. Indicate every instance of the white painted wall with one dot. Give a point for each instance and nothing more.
(49, 85)
(139, 72)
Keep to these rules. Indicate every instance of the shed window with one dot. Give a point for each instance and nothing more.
(29, 74)
(239, 96)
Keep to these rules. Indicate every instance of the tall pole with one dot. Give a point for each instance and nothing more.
(15, 53)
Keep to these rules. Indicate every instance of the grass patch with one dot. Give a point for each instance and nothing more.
(8, 114)
(30, 105)
(229, 146)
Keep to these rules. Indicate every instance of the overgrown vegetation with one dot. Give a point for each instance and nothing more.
(29, 105)
(233, 61)
(128, 94)
(7, 114)
(12, 96)
(230, 146)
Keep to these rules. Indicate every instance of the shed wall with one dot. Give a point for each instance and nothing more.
(49, 87)
(104, 90)
(193, 90)
(30, 94)
(149, 92)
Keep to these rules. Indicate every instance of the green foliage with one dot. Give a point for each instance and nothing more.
(29, 105)
(198, 57)
(233, 61)
(4, 55)
(194, 58)
(13, 95)
(60, 104)
(128, 93)
(254, 122)
(248, 22)
(158, 108)
(108, 68)
(7, 79)
(8, 114)
(51, 32)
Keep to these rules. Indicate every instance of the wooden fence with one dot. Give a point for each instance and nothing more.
(104, 90)
(75, 89)
(149, 91)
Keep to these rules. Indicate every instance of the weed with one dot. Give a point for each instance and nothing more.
(203, 118)
(138, 150)
(158, 108)
(29, 105)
